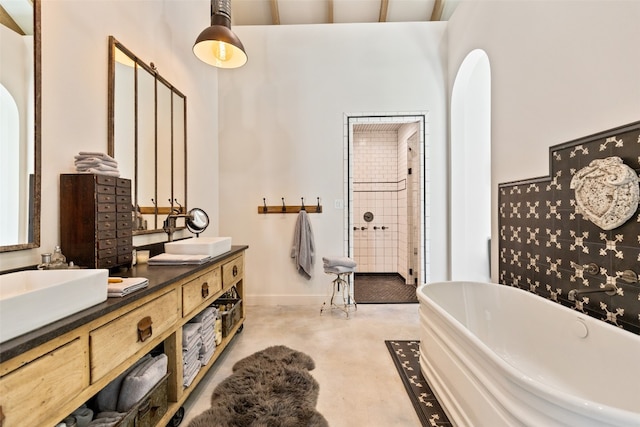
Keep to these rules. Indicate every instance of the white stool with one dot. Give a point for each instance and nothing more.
(342, 285)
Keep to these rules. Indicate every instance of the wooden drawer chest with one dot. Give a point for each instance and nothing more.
(96, 220)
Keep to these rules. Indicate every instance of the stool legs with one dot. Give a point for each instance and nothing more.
(339, 284)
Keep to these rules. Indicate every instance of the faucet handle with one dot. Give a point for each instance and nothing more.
(628, 276)
(590, 268)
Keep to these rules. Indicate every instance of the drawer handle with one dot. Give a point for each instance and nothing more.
(234, 271)
(144, 408)
(205, 290)
(144, 329)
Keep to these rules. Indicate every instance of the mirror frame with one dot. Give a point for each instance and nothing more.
(35, 242)
(159, 80)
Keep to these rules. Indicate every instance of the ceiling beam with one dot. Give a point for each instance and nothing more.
(384, 7)
(438, 7)
(275, 13)
(7, 21)
(330, 15)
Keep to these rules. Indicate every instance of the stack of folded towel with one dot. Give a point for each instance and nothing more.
(338, 265)
(123, 393)
(191, 344)
(207, 321)
(98, 163)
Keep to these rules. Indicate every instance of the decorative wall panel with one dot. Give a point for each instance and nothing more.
(546, 239)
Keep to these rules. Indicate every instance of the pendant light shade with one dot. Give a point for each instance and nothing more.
(217, 45)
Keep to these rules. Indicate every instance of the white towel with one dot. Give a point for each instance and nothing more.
(303, 247)
(189, 373)
(85, 154)
(127, 286)
(178, 259)
(190, 332)
(339, 269)
(338, 261)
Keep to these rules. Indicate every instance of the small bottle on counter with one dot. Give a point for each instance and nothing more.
(45, 263)
(58, 260)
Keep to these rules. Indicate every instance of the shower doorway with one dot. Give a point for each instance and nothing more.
(387, 212)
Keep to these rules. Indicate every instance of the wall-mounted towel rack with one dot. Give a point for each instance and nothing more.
(284, 208)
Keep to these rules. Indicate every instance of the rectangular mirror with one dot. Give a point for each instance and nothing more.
(20, 125)
(147, 136)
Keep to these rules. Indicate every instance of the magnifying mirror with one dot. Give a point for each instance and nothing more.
(197, 221)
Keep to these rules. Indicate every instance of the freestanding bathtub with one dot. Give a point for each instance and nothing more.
(500, 356)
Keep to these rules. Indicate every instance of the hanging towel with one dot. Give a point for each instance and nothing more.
(303, 248)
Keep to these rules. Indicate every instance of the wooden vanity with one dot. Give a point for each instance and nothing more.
(46, 374)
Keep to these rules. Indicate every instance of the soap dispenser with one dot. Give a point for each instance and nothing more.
(58, 260)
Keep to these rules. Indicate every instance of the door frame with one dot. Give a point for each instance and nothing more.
(390, 117)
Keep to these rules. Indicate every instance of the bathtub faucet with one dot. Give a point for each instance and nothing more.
(609, 289)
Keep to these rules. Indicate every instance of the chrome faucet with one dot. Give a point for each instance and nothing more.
(609, 289)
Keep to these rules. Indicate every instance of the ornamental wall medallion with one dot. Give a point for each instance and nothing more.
(606, 192)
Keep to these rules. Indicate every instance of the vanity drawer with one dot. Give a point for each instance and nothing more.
(107, 262)
(30, 394)
(124, 207)
(106, 207)
(233, 271)
(106, 234)
(121, 338)
(106, 225)
(105, 189)
(199, 290)
(124, 224)
(123, 198)
(125, 258)
(125, 233)
(107, 216)
(107, 243)
(107, 198)
(108, 252)
(122, 182)
(107, 180)
(125, 241)
(123, 191)
(124, 249)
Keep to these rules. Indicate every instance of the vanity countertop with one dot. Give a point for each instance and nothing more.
(159, 277)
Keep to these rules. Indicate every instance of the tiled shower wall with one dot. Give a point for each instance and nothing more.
(376, 186)
(541, 234)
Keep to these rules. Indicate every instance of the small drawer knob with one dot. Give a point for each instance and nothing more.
(234, 271)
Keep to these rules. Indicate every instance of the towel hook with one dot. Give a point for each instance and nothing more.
(302, 207)
(264, 204)
(319, 208)
(284, 208)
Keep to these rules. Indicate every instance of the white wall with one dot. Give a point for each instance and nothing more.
(74, 93)
(281, 135)
(559, 70)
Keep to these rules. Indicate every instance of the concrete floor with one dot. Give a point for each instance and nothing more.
(359, 384)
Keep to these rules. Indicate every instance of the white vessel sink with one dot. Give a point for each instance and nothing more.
(212, 246)
(34, 298)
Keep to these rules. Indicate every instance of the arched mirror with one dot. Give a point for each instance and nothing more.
(147, 136)
(19, 125)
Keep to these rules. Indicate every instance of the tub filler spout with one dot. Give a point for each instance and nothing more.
(609, 289)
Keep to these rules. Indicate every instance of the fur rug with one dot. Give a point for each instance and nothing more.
(270, 388)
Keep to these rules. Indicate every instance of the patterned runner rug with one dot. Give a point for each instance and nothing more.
(406, 357)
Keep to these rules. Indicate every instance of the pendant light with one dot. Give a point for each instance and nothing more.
(217, 45)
